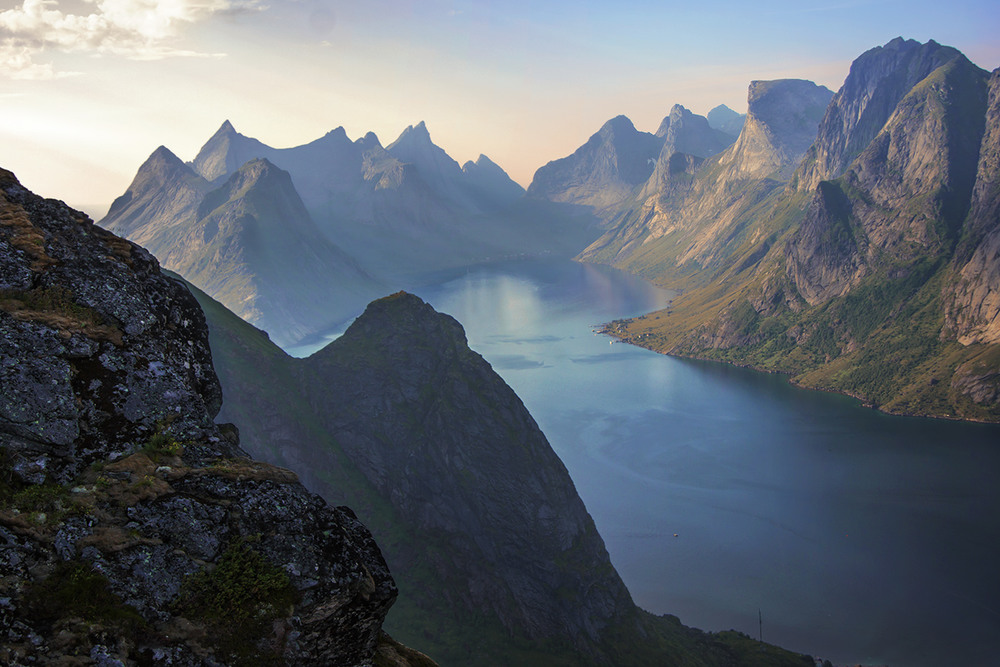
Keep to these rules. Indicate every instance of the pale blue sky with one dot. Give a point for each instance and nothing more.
(89, 88)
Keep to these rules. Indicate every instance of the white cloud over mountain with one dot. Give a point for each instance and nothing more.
(139, 29)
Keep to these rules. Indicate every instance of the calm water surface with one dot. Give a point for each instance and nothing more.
(861, 538)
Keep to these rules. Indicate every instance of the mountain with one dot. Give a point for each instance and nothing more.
(878, 80)
(685, 136)
(780, 125)
(686, 132)
(604, 171)
(299, 253)
(249, 241)
(497, 559)
(868, 267)
(693, 212)
(725, 119)
(134, 529)
(491, 184)
(225, 152)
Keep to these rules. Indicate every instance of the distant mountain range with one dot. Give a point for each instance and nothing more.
(297, 239)
(847, 239)
(850, 240)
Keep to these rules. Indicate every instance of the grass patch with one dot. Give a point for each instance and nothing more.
(239, 599)
(75, 589)
(55, 307)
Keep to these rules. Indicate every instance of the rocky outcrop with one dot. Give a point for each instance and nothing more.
(133, 529)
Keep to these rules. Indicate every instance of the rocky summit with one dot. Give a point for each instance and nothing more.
(133, 529)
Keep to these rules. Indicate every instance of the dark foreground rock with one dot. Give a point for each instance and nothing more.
(134, 530)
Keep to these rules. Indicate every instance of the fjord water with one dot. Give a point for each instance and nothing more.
(723, 492)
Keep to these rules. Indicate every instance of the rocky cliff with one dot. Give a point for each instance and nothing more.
(877, 81)
(133, 529)
(905, 197)
(973, 301)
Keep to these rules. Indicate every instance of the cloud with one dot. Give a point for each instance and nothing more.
(140, 29)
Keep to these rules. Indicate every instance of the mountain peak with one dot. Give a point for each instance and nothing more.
(618, 124)
(336, 133)
(414, 133)
(225, 151)
(781, 122)
(878, 80)
(400, 322)
(726, 120)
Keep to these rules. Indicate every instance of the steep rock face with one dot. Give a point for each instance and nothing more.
(905, 196)
(782, 117)
(440, 434)
(973, 302)
(877, 81)
(132, 528)
(604, 171)
(688, 134)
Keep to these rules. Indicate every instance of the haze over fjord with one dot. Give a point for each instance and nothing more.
(90, 89)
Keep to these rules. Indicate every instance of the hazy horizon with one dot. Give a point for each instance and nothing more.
(91, 87)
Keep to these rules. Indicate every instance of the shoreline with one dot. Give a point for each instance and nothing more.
(606, 330)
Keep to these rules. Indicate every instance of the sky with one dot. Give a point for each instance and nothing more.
(89, 88)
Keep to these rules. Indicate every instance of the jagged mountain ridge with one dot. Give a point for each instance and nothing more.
(879, 282)
(369, 216)
(133, 529)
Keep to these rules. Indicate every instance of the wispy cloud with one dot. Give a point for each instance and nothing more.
(140, 29)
